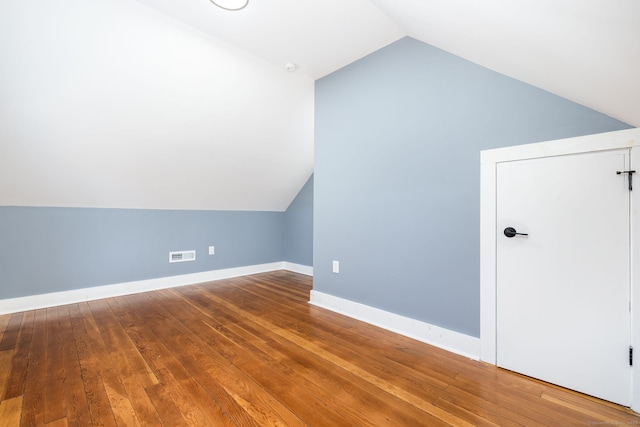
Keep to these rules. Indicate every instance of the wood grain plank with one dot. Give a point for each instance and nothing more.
(171, 373)
(125, 315)
(299, 339)
(20, 359)
(176, 384)
(591, 413)
(4, 323)
(5, 365)
(485, 409)
(121, 406)
(62, 422)
(346, 345)
(592, 404)
(87, 339)
(55, 407)
(251, 351)
(418, 375)
(127, 364)
(75, 398)
(10, 411)
(298, 392)
(294, 375)
(33, 399)
(533, 410)
(11, 331)
(173, 411)
(185, 391)
(261, 406)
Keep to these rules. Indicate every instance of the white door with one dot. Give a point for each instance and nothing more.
(563, 290)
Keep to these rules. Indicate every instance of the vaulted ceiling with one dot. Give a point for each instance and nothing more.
(178, 104)
(585, 50)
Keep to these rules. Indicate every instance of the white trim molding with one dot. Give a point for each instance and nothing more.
(488, 230)
(446, 339)
(298, 268)
(34, 302)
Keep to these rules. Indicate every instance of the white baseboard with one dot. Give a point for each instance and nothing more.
(446, 339)
(298, 268)
(34, 302)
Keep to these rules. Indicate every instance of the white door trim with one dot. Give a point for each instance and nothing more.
(488, 161)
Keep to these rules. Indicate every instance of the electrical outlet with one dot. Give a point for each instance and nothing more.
(336, 266)
(212, 250)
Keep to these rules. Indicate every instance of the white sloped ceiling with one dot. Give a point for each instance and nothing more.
(111, 104)
(587, 51)
(167, 104)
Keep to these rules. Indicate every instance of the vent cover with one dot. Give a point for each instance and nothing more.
(182, 256)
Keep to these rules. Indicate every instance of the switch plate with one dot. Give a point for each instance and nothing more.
(336, 266)
(212, 250)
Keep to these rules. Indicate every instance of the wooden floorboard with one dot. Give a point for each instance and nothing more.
(251, 351)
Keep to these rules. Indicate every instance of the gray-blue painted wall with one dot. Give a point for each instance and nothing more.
(298, 227)
(45, 250)
(398, 136)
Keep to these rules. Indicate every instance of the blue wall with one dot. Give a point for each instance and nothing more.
(397, 163)
(45, 250)
(298, 227)
(56, 249)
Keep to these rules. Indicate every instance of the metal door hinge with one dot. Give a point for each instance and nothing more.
(630, 356)
(630, 175)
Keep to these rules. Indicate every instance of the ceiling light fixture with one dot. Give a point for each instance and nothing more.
(230, 4)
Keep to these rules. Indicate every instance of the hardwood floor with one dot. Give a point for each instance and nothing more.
(251, 351)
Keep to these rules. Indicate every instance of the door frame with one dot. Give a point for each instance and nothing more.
(488, 231)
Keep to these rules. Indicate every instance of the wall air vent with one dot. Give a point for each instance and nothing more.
(182, 256)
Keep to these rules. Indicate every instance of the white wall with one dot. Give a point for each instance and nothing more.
(109, 103)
